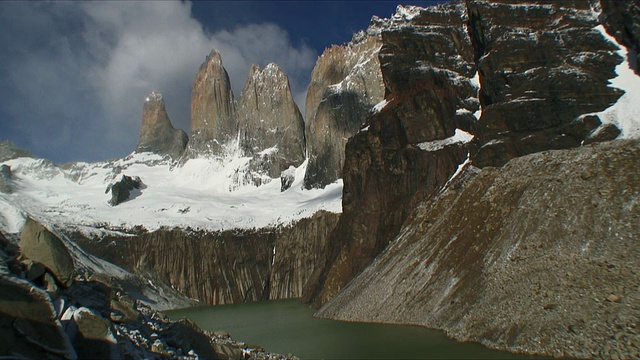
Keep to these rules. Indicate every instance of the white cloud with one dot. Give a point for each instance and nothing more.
(101, 59)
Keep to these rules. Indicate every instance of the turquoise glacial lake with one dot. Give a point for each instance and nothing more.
(288, 327)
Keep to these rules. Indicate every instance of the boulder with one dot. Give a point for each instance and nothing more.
(28, 326)
(186, 335)
(157, 135)
(94, 337)
(41, 245)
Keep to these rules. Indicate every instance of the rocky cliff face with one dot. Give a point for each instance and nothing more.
(213, 109)
(410, 143)
(157, 135)
(346, 83)
(535, 257)
(622, 19)
(270, 124)
(224, 267)
(541, 67)
(457, 72)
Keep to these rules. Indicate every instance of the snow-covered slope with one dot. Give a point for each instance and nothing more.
(201, 193)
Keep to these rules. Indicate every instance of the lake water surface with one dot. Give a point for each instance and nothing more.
(288, 327)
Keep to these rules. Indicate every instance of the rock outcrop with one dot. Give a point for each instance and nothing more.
(269, 122)
(516, 78)
(213, 109)
(536, 257)
(125, 189)
(409, 145)
(346, 83)
(157, 135)
(5, 179)
(9, 150)
(622, 19)
(542, 66)
(41, 245)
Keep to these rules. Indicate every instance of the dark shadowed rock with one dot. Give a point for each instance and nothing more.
(345, 84)
(213, 109)
(28, 327)
(40, 245)
(157, 135)
(5, 179)
(542, 65)
(121, 191)
(186, 335)
(269, 122)
(605, 132)
(622, 19)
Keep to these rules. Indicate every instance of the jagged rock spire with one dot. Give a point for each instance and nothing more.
(157, 134)
(269, 120)
(213, 108)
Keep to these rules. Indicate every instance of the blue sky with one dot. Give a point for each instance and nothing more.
(74, 75)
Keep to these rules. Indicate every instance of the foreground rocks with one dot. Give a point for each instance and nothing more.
(91, 316)
(538, 257)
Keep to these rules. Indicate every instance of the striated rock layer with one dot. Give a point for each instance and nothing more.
(537, 257)
(224, 267)
(157, 135)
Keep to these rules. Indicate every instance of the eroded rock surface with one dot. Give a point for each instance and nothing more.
(536, 257)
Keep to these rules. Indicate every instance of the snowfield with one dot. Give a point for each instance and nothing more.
(207, 194)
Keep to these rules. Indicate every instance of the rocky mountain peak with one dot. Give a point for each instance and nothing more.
(213, 108)
(157, 134)
(270, 124)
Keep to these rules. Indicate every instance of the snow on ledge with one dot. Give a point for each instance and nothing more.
(460, 136)
(625, 113)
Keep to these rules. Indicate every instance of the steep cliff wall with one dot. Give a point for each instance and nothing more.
(346, 83)
(223, 267)
(538, 257)
(269, 122)
(413, 142)
(483, 81)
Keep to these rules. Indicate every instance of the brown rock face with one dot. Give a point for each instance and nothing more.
(345, 84)
(521, 258)
(157, 135)
(270, 124)
(213, 108)
(386, 164)
(40, 245)
(541, 67)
